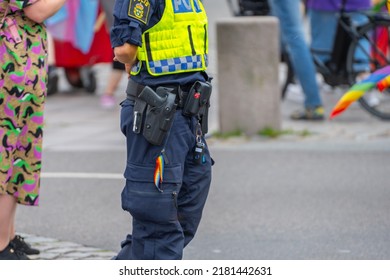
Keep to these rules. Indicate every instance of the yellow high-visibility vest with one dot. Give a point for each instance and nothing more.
(178, 43)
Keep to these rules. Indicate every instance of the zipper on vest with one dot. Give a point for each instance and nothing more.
(191, 41)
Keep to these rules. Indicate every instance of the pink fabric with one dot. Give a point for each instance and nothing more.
(64, 30)
(73, 7)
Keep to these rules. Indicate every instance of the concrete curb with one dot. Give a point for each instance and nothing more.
(54, 249)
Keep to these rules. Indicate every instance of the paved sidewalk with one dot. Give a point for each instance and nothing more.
(53, 249)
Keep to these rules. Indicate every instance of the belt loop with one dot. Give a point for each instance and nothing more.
(182, 96)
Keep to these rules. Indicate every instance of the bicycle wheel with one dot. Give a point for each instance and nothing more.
(365, 55)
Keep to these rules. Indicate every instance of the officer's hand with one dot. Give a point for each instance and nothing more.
(127, 66)
(126, 53)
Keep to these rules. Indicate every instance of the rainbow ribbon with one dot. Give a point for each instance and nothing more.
(358, 90)
(158, 172)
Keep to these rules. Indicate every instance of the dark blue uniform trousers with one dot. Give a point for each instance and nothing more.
(164, 222)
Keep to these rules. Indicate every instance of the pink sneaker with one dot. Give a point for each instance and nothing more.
(107, 101)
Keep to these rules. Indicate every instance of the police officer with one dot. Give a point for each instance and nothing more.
(165, 44)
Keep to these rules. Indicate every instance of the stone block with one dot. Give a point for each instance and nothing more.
(248, 53)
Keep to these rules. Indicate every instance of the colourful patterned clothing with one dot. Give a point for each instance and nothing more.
(23, 76)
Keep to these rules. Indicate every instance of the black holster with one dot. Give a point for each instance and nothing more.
(160, 112)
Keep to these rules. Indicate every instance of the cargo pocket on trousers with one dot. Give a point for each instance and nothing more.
(144, 201)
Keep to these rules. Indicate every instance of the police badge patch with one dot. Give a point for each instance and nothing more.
(139, 9)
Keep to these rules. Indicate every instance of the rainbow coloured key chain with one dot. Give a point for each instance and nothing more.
(159, 171)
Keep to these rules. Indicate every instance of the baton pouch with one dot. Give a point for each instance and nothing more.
(160, 112)
(197, 98)
(198, 103)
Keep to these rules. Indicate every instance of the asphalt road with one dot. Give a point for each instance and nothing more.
(267, 202)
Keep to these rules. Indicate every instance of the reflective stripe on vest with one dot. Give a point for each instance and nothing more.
(174, 64)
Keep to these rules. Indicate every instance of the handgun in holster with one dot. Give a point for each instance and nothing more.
(198, 103)
(160, 113)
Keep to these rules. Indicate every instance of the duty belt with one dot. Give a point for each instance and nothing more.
(134, 89)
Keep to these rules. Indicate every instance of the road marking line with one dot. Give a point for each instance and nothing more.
(81, 175)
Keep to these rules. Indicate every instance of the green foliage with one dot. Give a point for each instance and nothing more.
(267, 132)
(273, 133)
(229, 134)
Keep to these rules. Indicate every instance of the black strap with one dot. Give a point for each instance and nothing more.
(133, 89)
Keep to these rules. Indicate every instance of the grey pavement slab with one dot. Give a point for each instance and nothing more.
(53, 249)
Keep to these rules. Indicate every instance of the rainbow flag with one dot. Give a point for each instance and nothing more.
(75, 23)
(359, 89)
(384, 83)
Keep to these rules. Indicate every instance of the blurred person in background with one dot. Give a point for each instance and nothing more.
(293, 39)
(22, 97)
(323, 16)
(107, 100)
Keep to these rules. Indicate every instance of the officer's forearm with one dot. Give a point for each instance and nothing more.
(126, 53)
